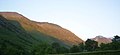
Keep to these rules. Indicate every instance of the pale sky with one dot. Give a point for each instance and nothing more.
(85, 18)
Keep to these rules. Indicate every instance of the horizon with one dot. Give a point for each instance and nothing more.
(86, 19)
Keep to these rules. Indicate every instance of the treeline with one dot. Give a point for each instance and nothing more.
(56, 48)
(37, 49)
(91, 45)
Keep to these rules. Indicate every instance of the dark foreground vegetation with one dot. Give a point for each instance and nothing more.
(90, 47)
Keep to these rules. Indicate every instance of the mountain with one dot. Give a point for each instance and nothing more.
(13, 34)
(101, 39)
(19, 30)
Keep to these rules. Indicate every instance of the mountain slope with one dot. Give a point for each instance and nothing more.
(59, 33)
(12, 33)
(41, 31)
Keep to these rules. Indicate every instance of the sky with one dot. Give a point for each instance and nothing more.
(85, 18)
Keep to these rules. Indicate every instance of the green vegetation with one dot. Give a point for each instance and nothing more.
(38, 49)
(91, 45)
(91, 48)
(14, 40)
(44, 48)
(115, 45)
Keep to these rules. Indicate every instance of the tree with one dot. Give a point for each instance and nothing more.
(116, 38)
(81, 47)
(74, 49)
(64, 50)
(114, 45)
(58, 48)
(7, 49)
(91, 45)
(104, 46)
(42, 49)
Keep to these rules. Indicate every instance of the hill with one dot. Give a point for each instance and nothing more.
(101, 39)
(19, 30)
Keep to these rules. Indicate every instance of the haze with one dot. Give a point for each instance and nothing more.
(85, 18)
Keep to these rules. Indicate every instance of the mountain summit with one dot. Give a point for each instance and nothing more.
(100, 39)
